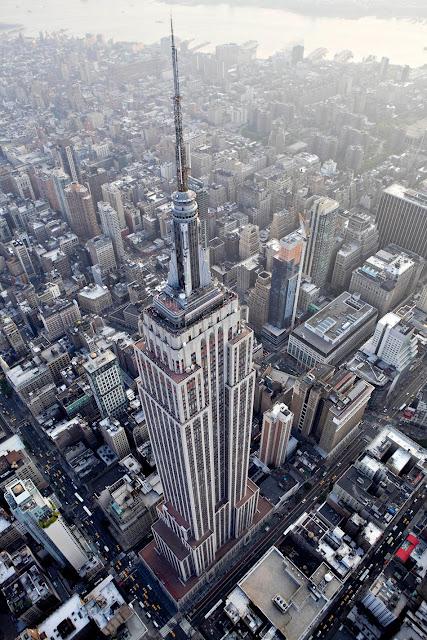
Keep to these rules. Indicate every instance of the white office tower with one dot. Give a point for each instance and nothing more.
(196, 386)
(110, 225)
(105, 379)
(42, 520)
(321, 240)
(393, 342)
(112, 194)
(276, 429)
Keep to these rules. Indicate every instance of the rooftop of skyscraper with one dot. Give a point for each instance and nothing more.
(388, 265)
(413, 195)
(336, 321)
(97, 360)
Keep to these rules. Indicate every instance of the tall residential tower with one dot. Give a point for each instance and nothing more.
(196, 385)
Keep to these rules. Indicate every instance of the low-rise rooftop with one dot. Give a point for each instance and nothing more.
(290, 600)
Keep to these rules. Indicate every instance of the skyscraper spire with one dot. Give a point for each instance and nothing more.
(188, 270)
(180, 156)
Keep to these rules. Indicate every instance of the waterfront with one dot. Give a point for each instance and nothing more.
(146, 21)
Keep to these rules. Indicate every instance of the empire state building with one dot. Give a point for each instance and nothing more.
(196, 385)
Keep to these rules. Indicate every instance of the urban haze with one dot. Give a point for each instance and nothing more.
(213, 320)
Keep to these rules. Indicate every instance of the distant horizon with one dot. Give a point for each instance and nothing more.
(349, 9)
(401, 40)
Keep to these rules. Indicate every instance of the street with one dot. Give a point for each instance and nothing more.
(131, 577)
(320, 481)
(374, 563)
(135, 581)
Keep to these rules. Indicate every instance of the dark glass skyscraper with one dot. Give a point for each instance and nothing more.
(285, 281)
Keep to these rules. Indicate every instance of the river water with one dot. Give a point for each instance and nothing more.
(146, 21)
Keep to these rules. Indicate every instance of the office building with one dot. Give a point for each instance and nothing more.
(282, 224)
(94, 178)
(20, 250)
(321, 240)
(216, 251)
(54, 183)
(66, 156)
(94, 299)
(333, 332)
(308, 297)
(360, 241)
(276, 429)
(106, 382)
(285, 281)
(328, 404)
(130, 506)
(101, 613)
(101, 253)
(277, 594)
(115, 437)
(386, 278)
(377, 485)
(33, 383)
(231, 245)
(196, 385)
(81, 211)
(402, 218)
(27, 591)
(12, 335)
(110, 225)
(43, 522)
(59, 316)
(112, 195)
(393, 343)
(249, 241)
(258, 301)
(15, 462)
(56, 357)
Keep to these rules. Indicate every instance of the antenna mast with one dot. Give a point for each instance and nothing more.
(180, 156)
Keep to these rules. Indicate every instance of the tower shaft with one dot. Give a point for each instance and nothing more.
(180, 155)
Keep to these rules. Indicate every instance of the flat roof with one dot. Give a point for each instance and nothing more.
(67, 611)
(276, 574)
(332, 325)
(96, 361)
(20, 375)
(399, 191)
(390, 435)
(93, 292)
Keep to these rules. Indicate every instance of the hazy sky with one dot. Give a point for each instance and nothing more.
(147, 21)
